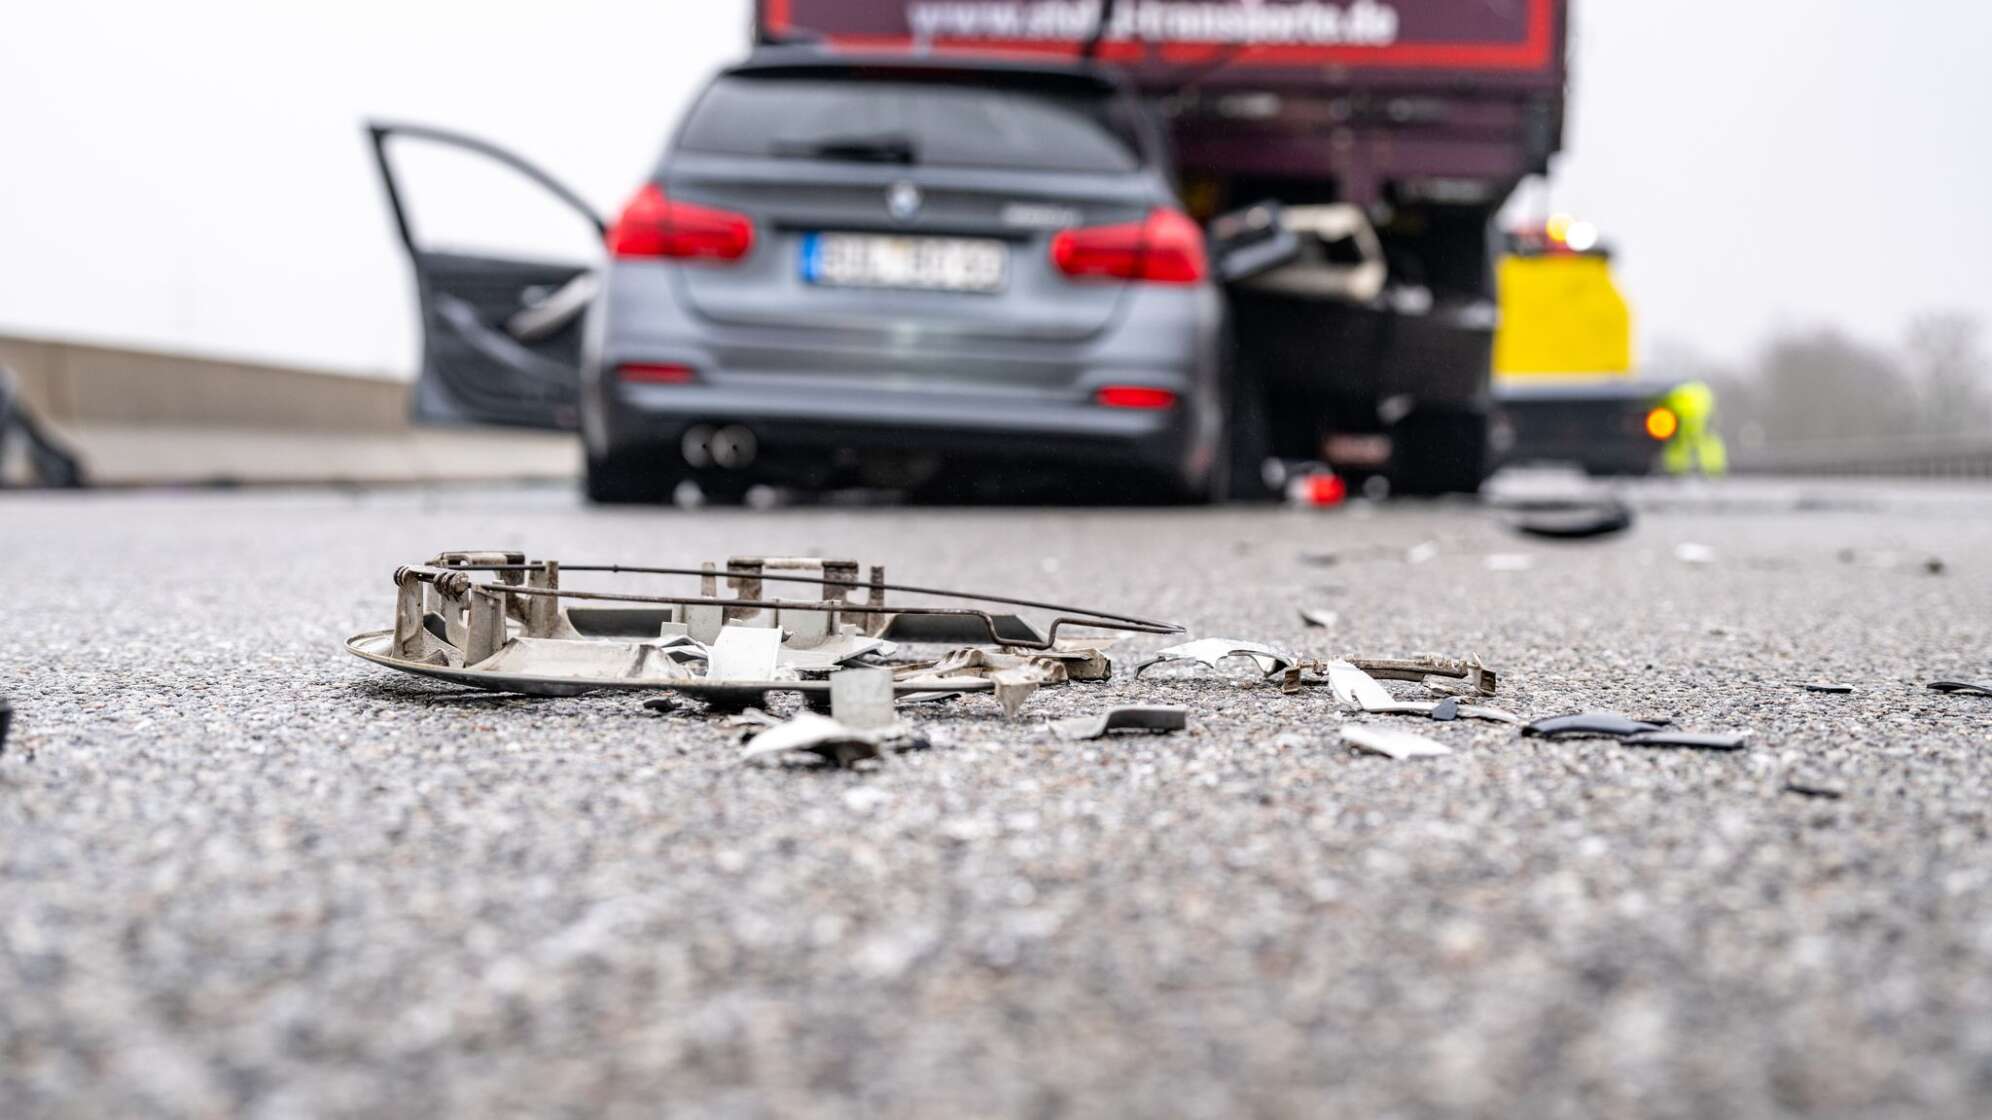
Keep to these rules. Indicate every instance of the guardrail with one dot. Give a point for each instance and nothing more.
(1967, 456)
(131, 417)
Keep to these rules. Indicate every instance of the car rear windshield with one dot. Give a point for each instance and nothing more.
(930, 123)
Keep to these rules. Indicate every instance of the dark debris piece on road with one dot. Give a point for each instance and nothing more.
(1694, 740)
(1828, 686)
(1970, 688)
(1156, 719)
(1595, 725)
(1571, 522)
(6, 721)
(1806, 786)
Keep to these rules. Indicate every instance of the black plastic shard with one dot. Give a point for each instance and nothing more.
(1808, 786)
(1597, 725)
(6, 719)
(1575, 522)
(1974, 688)
(1828, 686)
(1693, 740)
(1447, 710)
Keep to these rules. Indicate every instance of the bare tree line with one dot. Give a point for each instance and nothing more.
(1822, 383)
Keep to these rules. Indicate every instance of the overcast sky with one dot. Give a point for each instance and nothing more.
(191, 174)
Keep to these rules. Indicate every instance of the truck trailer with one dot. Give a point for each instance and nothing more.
(1379, 138)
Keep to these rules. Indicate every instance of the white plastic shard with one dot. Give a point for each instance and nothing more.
(1013, 677)
(830, 740)
(1013, 687)
(1213, 651)
(744, 653)
(1430, 709)
(832, 652)
(1392, 743)
(680, 647)
(1688, 552)
(862, 698)
(1357, 689)
(1082, 663)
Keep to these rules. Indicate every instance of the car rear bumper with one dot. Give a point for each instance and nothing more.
(817, 431)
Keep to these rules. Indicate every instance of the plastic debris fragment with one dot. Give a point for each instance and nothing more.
(1012, 676)
(1437, 709)
(832, 741)
(1574, 521)
(1129, 717)
(1694, 740)
(1810, 786)
(1597, 725)
(1356, 689)
(1316, 489)
(1213, 651)
(1973, 688)
(1392, 743)
(1314, 616)
(862, 698)
(744, 653)
(1434, 672)
(1692, 553)
(1828, 686)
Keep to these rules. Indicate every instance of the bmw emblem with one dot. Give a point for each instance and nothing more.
(902, 201)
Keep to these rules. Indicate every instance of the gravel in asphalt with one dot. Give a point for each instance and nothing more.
(242, 873)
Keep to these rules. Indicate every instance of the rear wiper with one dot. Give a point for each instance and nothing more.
(881, 147)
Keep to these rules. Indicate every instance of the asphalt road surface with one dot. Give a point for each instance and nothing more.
(244, 873)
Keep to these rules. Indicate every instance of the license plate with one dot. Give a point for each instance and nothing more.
(939, 264)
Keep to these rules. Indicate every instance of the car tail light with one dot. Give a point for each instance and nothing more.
(656, 373)
(1165, 248)
(1135, 396)
(652, 225)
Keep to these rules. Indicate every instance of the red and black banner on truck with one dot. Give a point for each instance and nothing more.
(1504, 41)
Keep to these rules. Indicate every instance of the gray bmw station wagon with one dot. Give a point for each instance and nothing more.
(887, 271)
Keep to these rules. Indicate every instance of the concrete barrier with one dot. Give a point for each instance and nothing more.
(143, 417)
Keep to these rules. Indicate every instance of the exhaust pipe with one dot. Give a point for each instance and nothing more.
(696, 446)
(731, 447)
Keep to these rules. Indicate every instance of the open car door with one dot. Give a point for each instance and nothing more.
(501, 336)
